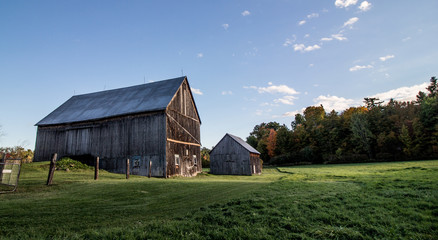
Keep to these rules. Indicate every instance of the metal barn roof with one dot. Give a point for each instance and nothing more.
(243, 143)
(149, 97)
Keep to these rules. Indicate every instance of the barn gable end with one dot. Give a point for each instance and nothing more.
(118, 124)
(183, 134)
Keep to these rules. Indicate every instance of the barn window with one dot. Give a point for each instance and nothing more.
(177, 160)
(195, 160)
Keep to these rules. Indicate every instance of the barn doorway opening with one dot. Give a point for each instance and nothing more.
(85, 159)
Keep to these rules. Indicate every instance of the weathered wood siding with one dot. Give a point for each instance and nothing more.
(141, 137)
(150, 140)
(230, 158)
(183, 134)
(256, 163)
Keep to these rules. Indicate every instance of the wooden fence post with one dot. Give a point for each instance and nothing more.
(96, 169)
(52, 169)
(127, 168)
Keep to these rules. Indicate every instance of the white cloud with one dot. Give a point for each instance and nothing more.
(345, 3)
(365, 6)
(200, 55)
(303, 48)
(358, 67)
(311, 65)
(406, 39)
(288, 93)
(196, 91)
(339, 37)
(302, 22)
(312, 15)
(288, 42)
(307, 35)
(245, 13)
(227, 93)
(277, 89)
(260, 112)
(250, 87)
(386, 57)
(225, 26)
(326, 39)
(293, 113)
(350, 22)
(274, 89)
(333, 102)
(288, 100)
(402, 93)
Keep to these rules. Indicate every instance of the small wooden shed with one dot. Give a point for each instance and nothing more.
(233, 156)
(155, 125)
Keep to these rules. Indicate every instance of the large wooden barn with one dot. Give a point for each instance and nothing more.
(233, 156)
(155, 125)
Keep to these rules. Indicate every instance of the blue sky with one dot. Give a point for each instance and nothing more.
(248, 62)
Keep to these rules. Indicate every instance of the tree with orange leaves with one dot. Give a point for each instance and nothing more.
(271, 142)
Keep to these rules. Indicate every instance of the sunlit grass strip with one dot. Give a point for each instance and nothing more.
(353, 201)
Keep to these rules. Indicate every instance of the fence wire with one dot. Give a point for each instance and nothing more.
(9, 175)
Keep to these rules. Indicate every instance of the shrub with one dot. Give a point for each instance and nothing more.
(70, 164)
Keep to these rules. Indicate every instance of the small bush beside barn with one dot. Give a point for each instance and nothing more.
(233, 156)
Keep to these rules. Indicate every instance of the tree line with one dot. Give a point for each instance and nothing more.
(397, 130)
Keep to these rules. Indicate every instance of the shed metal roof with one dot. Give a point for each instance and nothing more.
(148, 97)
(243, 143)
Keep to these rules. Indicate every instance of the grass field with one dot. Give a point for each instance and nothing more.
(350, 201)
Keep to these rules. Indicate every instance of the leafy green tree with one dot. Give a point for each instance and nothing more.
(284, 141)
(205, 157)
(405, 138)
(258, 138)
(252, 140)
(331, 127)
(429, 116)
(372, 102)
(299, 120)
(396, 130)
(361, 132)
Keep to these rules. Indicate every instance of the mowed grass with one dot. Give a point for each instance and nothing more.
(350, 201)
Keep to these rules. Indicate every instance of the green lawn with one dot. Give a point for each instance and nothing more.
(350, 201)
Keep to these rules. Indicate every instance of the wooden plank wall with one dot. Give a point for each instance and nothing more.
(183, 134)
(256, 163)
(230, 158)
(113, 140)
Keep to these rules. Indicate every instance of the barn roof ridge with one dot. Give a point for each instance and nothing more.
(154, 96)
(243, 143)
(133, 86)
